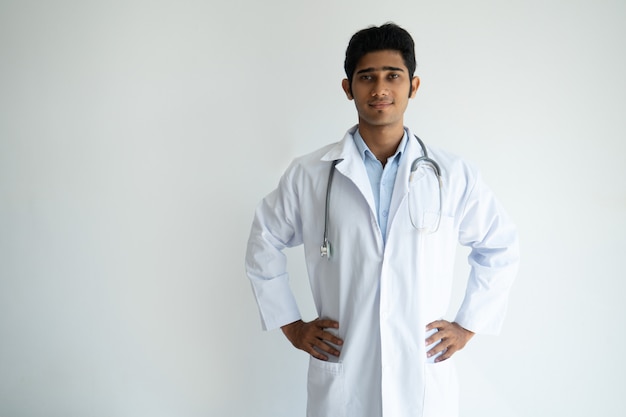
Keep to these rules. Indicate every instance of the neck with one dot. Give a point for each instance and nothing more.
(383, 141)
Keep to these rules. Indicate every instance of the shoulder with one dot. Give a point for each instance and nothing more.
(307, 170)
(452, 165)
(311, 163)
(313, 158)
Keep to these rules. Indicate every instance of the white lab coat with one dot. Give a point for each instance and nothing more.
(382, 295)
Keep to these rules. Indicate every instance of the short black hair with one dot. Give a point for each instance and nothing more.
(378, 38)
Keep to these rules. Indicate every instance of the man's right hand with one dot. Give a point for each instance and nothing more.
(312, 337)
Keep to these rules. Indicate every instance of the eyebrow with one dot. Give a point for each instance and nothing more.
(372, 69)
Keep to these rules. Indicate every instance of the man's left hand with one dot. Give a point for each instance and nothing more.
(452, 338)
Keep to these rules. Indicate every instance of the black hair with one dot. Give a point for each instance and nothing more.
(386, 37)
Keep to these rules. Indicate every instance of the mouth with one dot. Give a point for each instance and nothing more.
(379, 105)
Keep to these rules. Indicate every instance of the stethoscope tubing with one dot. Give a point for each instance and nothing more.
(325, 249)
(425, 158)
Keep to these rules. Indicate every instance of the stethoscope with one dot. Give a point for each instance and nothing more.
(416, 221)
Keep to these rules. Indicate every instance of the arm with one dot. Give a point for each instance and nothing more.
(276, 226)
(494, 258)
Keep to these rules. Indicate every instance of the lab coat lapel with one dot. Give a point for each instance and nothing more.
(352, 167)
(401, 186)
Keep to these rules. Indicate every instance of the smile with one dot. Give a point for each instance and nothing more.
(380, 104)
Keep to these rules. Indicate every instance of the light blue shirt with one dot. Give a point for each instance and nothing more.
(382, 179)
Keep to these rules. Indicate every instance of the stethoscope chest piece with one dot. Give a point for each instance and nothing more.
(325, 249)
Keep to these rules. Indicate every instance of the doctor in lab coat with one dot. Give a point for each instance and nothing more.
(380, 347)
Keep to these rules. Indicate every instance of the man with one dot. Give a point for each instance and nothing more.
(388, 217)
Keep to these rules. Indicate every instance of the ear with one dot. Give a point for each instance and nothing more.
(415, 84)
(345, 84)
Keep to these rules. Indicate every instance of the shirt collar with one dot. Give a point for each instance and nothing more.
(365, 151)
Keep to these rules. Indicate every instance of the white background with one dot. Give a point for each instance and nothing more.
(137, 137)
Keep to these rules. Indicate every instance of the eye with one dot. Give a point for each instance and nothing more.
(366, 77)
(393, 76)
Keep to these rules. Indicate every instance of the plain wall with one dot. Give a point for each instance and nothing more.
(137, 137)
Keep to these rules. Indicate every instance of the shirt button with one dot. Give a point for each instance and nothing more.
(385, 213)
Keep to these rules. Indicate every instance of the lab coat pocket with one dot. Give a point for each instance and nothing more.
(441, 390)
(424, 199)
(325, 389)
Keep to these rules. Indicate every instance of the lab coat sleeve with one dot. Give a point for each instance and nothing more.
(487, 230)
(276, 225)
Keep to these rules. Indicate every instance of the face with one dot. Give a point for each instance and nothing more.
(381, 88)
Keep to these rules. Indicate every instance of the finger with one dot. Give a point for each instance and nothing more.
(326, 348)
(326, 324)
(317, 355)
(438, 348)
(434, 338)
(446, 355)
(315, 348)
(316, 340)
(329, 337)
(322, 324)
(438, 335)
(437, 324)
(445, 330)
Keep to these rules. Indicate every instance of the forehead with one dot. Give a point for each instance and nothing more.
(379, 60)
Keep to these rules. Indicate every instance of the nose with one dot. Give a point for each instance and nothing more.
(380, 89)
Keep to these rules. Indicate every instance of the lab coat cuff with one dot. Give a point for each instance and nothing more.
(276, 302)
(487, 325)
